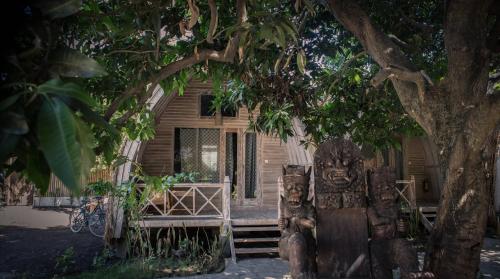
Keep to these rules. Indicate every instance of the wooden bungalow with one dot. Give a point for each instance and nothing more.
(237, 170)
(237, 185)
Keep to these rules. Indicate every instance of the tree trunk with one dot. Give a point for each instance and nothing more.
(456, 240)
(456, 114)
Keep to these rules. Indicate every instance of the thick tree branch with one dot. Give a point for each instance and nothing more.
(465, 43)
(387, 54)
(213, 21)
(420, 78)
(119, 100)
(195, 14)
(225, 56)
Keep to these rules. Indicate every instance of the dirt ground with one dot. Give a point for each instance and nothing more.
(31, 240)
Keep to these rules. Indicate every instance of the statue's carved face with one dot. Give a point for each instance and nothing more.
(295, 185)
(382, 186)
(340, 165)
(337, 169)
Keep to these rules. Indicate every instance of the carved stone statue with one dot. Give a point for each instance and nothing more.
(296, 221)
(388, 250)
(340, 195)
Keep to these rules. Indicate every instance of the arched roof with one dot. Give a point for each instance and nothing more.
(131, 149)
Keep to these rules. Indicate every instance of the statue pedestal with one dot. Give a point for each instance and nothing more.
(342, 235)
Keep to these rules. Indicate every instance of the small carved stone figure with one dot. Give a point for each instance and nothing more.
(296, 221)
(388, 250)
(340, 195)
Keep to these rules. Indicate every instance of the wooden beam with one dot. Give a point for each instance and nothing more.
(165, 223)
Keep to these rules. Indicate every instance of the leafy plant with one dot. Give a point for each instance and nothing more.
(46, 114)
(66, 260)
(100, 188)
(100, 260)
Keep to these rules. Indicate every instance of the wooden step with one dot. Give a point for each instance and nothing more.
(256, 250)
(429, 215)
(254, 240)
(255, 229)
(255, 222)
(428, 209)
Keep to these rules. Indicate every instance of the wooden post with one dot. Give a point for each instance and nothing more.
(226, 199)
(280, 194)
(226, 233)
(411, 191)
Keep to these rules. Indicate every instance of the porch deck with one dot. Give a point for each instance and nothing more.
(202, 205)
(253, 215)
(247, 215)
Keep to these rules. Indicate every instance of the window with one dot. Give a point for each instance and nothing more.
(232, 159)
(197, 150)
(250, 165)
(207, 110)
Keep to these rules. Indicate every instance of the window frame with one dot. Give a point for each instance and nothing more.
(208, 93)
(197, 152)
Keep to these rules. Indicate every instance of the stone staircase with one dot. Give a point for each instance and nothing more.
(254, 237)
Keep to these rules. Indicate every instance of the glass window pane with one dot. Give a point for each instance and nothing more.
(185, 150)
(231, 158)
(209, 155)
(206, 105)
(197, 150)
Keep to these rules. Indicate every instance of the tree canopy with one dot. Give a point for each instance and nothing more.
(92, 67)
(75, 79)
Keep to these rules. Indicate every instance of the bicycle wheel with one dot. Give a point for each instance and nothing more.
(97, 222)
(76, 220)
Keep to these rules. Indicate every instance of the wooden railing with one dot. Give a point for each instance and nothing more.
(186, 200)
(407, 191)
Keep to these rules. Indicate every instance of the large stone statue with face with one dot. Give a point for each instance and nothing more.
(296, 221)
(340, 196)
(387, 249)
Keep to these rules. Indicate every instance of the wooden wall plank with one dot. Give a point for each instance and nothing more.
(183, 112)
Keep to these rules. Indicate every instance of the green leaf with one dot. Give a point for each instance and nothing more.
(68, 89)
(59, 8)
(93, 117)
(281, 36)
(9, 101)
(13, 123)
(109, 24)
(266, 33)
(86, 140)
(357, 78)
(278, 62)
(243, 38)
(301, 61)
(57, 134)
(107, 145)
(120, 161)
(289, 30)
(37, 170)
(70, 63)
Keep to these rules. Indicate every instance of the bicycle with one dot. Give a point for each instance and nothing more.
(93, 218)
